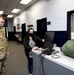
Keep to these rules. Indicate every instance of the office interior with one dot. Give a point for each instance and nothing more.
(43, 16)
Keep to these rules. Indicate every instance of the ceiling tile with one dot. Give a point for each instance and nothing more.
(8, 5)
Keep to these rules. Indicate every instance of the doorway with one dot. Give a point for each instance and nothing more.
(70, 24)
(23, 30)
(41, 27)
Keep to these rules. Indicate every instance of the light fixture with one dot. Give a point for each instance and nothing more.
(15, 10)
(10, 16)
(1, 12)
(25, 1)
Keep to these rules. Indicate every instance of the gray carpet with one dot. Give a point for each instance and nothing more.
(16, 62)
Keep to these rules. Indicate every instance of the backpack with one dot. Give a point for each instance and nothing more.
(68, 48)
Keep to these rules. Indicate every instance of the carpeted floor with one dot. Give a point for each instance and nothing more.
(16, 62)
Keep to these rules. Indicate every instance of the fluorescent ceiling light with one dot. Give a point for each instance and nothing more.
(10, 16)
(1, 12)
(25, 1)
(15, 10)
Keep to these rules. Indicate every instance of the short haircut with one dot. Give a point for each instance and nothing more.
(2, 17)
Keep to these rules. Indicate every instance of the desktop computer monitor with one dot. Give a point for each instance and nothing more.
(48, 43)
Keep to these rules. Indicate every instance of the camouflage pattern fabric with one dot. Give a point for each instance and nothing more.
(3, 68)
(3, 50)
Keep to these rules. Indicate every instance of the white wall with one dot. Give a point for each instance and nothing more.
(54, 10)
(20, 20)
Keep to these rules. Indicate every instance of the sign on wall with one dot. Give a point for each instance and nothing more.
(18, 27)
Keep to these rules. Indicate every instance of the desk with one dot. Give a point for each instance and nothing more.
(51, 66)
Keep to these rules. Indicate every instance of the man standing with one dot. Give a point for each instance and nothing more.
(3, 47)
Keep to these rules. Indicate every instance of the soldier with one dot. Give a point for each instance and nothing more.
(3, 47)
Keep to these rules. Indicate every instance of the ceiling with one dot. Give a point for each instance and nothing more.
(8, 5)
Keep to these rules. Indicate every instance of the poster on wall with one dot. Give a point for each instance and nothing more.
(18, 27)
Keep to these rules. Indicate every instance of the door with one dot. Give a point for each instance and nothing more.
(41, 27)
(23, 30)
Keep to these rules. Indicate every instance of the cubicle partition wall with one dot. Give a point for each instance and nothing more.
(60, 37)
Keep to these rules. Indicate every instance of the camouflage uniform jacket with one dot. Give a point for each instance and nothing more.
(3, 44)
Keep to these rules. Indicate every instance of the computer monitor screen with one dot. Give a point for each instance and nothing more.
(49, 38)
(48, 43)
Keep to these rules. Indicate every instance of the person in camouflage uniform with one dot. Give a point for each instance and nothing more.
(3, 47)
